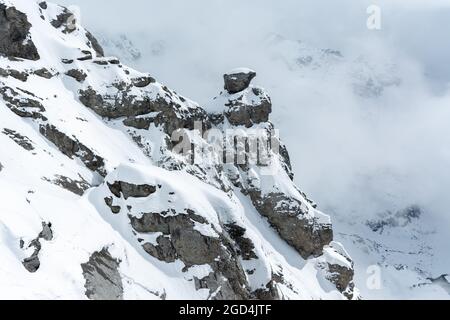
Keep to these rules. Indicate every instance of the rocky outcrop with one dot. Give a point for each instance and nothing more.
(142, 82)
(242, 104)
(128, 190)
(86, 55)
(65, 20)
(103, 279)
(43, 5)
(337, 267)
(249, 107)
(15, 40)
(19, 75)
(33, 263)
(71, 147)
(294, 217)
(238, 80)
(178, 238)
(77, 74)
(23, 104)
(43, 73)
(109, 202)
(77, 187)
(341, 277)
(94, 44)
(21, 140)
(270, 293)
(165, 111)
(245, 247)
(307, 235)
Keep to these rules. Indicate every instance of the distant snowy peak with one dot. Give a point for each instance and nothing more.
(369, 77)
(118, 187)
(120, 46)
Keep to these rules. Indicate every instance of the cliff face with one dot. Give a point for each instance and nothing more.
(114, 186)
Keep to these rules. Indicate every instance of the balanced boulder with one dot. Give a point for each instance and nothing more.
(238, 80)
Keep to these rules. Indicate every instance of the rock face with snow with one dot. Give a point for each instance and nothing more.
(103, 280)
(238, 80)
(15, 41)
(135, 191)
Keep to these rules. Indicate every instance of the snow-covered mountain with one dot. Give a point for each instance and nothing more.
(367, 134)
(98, 202)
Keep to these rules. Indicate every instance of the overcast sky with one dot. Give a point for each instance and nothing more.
(417, 27)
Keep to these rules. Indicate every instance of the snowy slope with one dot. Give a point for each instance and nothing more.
(96, 203)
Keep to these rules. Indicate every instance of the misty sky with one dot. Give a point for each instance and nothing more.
(417, 28)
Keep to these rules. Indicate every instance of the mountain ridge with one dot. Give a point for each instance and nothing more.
(76, 122)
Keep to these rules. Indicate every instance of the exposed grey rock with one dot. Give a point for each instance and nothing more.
(219, 286)
(103, 280)
(245, 245)
(43, 5)
(65, 20)
(101, 62)
(21, 140)
(181, 241)
(21, 104)
(239, 113)
(287, 217)
(131, 190)
(71, 147)
(193, 248)
(19, 75)
(341, 277)
(164, 223)
(142, 82)
(95, 44)
(77, 187)
(33, 263)
(43, 73)
(15, 40)
(270, 292)
(138, 122)
(46, 233)
(77, 74)
(163, 251)
(287, 164)
(339, 273)
(91, 99)
(109, 203)
(170, 116)
(237, 82)
(87, 55)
